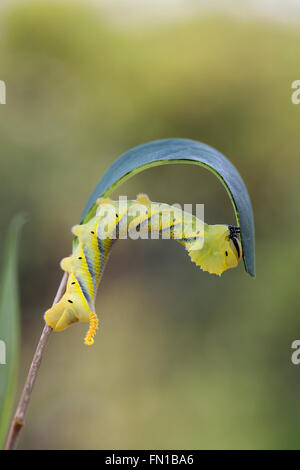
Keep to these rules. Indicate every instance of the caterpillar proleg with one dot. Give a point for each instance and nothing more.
(214, 248)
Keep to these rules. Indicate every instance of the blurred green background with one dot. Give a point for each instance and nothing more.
(183, 359)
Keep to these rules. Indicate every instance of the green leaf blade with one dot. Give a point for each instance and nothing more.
(9, 323)
(170, 151)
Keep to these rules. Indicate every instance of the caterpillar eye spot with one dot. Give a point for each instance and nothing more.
(71, 301)
(93, 233)
(117, 215)
(74, 282)
(80, 257)
(226, 253)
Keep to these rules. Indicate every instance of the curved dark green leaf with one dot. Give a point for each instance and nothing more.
(166, 151)
(9, 323)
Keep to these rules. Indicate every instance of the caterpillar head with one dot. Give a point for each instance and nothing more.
(220, 251)
(235, 247)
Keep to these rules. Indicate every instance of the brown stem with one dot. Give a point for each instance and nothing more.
(19, 418)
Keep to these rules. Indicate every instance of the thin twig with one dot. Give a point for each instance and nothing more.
(19, 418)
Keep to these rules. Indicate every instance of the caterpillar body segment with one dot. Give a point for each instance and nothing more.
(214, 248)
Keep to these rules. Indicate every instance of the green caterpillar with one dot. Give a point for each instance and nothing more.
(214, 248)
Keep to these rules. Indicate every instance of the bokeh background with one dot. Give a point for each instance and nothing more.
(183, 359)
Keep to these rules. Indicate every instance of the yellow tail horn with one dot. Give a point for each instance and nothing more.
(89, 339)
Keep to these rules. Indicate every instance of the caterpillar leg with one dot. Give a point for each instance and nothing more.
(60, 316)
(89, 338)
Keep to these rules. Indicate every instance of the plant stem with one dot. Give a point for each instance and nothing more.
(19, 418)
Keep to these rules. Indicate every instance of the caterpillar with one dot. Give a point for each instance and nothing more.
(214, 248)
